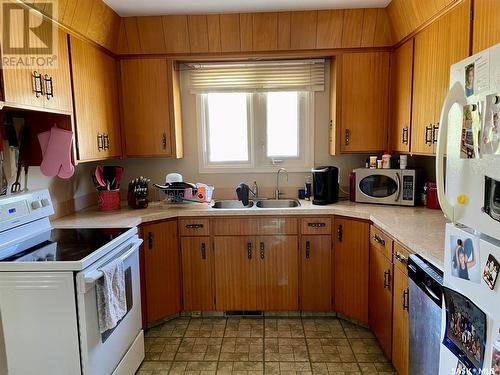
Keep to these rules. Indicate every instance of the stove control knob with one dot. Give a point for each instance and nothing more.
(45, 202)
(36, 205)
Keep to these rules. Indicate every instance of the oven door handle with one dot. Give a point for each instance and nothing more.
(95, 275)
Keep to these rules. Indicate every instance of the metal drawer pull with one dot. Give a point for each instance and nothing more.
(194, 226)
(49, 87)
(262, 250)
(150, 240)
(37, 84)
(308, 249)
(387, 279)
(405, 135)
(316, 225)
(401, 257)
(105, 138)
(203, 251)
(164, 141)
(435, 132)
(249, 250)
(100, 142)
(347, 137)
(406, 301)
(428, 135)
(379, 240)
(340, 233)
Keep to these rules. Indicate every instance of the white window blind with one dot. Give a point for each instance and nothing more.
(259, 76)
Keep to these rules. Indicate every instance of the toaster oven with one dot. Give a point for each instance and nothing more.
(386, 186)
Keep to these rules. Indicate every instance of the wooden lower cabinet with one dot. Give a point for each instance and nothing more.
(256, 273)
(316, 273)
(161, 275)
(197, 262)
(351, 267)
(400, 328)
(380, 300)
(236, 273)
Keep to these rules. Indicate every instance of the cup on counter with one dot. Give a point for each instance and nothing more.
(403, 161)
(301, 193)
(379, 164)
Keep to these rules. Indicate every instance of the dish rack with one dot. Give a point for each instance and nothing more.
(198, 194)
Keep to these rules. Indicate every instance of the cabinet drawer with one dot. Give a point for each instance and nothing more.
(316, 225)
(194, 227)
(400, 257)
(381, 241)
(254, 226)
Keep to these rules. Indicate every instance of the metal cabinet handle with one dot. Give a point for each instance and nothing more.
(194, 226)
(203, 250)
(316, 225)
(49, 87)
(262, 250)
(105, 138)
(428, 135)
(37, 84)
(340, 233)
(379, 240)
(308, 249)
(435, 133)
(387, 279)
(249, 250)
(164, 141)
(406, 299)
(150, 240)
(100, 142)
(405, 135)
(401, 257)
(347, 137)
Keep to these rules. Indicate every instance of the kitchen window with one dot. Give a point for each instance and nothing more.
(256, 116)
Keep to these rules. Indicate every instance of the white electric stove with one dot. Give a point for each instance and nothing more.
(48, 308)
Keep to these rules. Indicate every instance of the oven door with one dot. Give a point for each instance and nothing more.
(378, 186)
(102, 353)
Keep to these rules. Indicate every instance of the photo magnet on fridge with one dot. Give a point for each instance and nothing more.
(465, 258)
(490, 133)
(462, 369)
(490, 272)
(471, 127)
(495, 357)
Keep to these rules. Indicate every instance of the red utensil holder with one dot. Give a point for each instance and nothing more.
(108, 200)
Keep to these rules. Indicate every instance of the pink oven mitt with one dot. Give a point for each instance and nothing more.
(56, 151)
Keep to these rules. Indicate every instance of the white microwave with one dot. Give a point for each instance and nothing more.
(386, 186)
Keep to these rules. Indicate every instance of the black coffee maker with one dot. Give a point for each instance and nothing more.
(325, 185)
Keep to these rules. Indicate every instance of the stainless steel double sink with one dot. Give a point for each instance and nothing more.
(259, 203)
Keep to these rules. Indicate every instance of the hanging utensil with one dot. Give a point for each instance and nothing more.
(3, 178)
(23, 148)
(99, 176)
(26, 169)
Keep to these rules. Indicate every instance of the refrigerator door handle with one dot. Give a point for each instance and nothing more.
(455, 95)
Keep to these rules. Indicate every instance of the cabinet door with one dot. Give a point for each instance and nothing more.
(236, 273)
(279, 286)
(380, 301)
(365, 100)
(486, 28)
(145, 106)
(162, 270)
(441, 44)
(61, 98)
(316, 273)
(351, 268)
(95, 90)
(400, 329)
(197, 273)
(401, 86)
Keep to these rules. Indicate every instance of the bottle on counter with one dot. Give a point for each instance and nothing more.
(308, 192)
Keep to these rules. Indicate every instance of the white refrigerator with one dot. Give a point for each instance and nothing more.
(468, 178)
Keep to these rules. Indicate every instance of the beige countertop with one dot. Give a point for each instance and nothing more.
(420, 229)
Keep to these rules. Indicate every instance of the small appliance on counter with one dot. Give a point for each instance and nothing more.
(179, 191)
(325, 185)
(386, 186)
(138, 190)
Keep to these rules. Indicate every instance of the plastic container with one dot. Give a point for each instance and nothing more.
(373, 162)
(108, 200)
(432, 196)
(403, 161)
(386, 161)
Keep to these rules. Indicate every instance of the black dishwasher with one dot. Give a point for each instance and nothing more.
(426, 296)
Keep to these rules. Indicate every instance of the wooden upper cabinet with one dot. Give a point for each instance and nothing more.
(380, 301)
(230, 32)
(96, 99)
(284, 30)
(265, 31)
(52, 83)
(329, 30)
(486, 26)
(162, 270)
(401, 91)
(246, 32)
(437, 47)
(351, 268)
(316, 273)
(151, 107)
(198, 33)
(213, 31)
(197, 262)
(176, 33)
(303, 26)
(364, 100)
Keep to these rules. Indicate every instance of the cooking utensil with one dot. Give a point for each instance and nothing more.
(26, 169)
(3, 178)
(100, 176)
(118, 177)
(109, 174)
(23, 147)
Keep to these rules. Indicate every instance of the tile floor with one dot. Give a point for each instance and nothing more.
(262, 345)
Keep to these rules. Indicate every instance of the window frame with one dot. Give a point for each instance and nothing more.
(258, 160)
